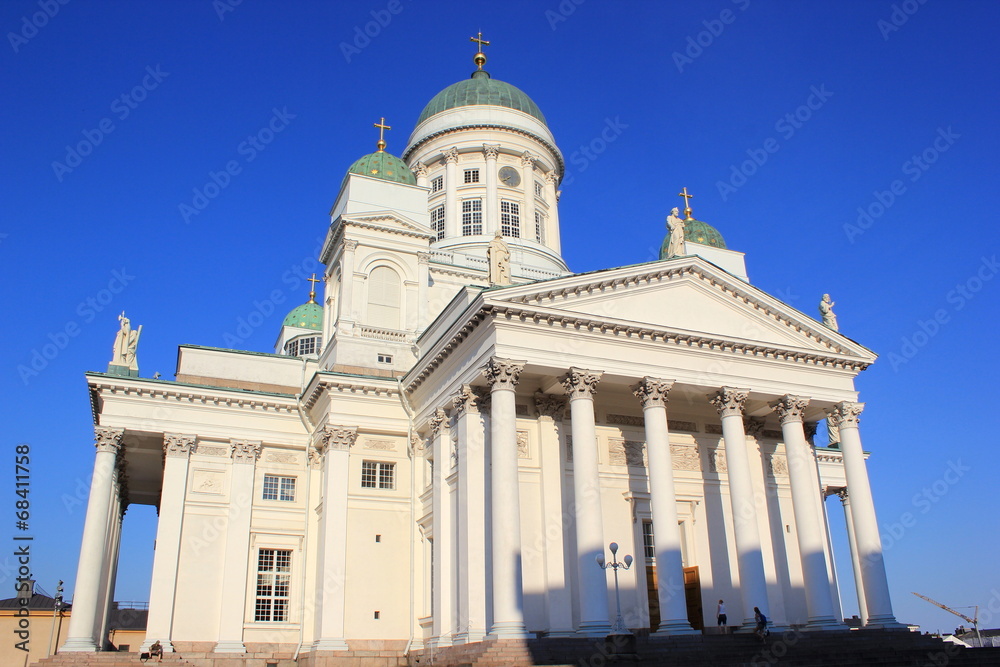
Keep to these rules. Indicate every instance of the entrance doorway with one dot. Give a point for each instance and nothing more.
(692, 595)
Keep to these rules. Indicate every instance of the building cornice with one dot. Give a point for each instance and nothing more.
(345, 384)
(560, 164)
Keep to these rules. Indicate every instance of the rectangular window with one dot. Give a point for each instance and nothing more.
(510, 219)
(437, 184)
(648, 549)
(279, 487)
(539, 227)
(274, 567)
(437, 221)
(378, 475)
(472, 217)
(385, 358)
(471, 176)
(538, 189)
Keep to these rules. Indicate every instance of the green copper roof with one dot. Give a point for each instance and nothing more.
(307, 316)
(696, 231)
(385, 166)
(477, 90)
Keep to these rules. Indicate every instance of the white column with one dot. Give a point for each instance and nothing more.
(552, 229)
(866, 533)
(491, 212)
(559, 601)
(838, 604)
(441, 502)
(83, 621)
(420, 171)
(471, 517)
(652, 393)
(805, 506)
(528, 187)
(423, 288)
(451, 215)
(237, 554)
(334, 445)
(166, 557)
(508, 595)
(347, 286)
(580, 385)
(753, 584)
(859, 585)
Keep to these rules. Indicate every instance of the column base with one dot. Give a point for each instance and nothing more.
(594, 629)
(165, 643)
(444, 641)
(78, 645)
(509, 630)
(230, 646)
(333, 644)
(884, 622)
(561, 633)
(674, 628)
(470, 637)
(825, 624)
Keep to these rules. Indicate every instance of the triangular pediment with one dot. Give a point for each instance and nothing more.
(690, 296)
(390, 221)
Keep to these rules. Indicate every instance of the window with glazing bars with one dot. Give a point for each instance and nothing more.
(472, 217)
(437, 184)
(378, 475)
(539, 227)
(274, 567)
(471, 176)
(437, 221)
(648, 549)
(510, 219)
(279, 487)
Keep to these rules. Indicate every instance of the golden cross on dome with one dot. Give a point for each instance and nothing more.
(382, 127)
(480, 57)
(312, 288)
(687, 203)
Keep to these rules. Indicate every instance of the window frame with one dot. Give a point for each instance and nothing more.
(470, 176)
(510, 219)
(437, 221)
(272, 576)
(378, 475)
(437, 184)
(472, 219)
(284, 485)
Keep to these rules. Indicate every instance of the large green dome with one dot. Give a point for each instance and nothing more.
(385, 166)
(478, 90)
(696, 231)
(307, 316)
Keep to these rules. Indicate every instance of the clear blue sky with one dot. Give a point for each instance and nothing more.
(916, 282)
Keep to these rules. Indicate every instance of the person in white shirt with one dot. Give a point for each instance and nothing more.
(720, 614)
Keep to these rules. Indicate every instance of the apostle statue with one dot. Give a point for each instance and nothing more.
(498, 256)
(826, 310)
(675, 246)
(125, 344)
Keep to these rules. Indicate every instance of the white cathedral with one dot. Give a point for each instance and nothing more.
(441, 450)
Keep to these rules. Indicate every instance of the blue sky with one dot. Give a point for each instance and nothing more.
(783, 118)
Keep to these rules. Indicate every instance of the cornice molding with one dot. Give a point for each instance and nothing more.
(410, 150)
(347, 385)
(214, 396)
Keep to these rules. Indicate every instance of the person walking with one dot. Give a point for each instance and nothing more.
(720, 614)
(761, 619)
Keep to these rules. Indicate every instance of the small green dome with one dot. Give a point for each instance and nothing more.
(480, 89)
(385, 166)
(307, 316)
(696, 231)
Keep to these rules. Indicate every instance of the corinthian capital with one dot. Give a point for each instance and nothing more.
(527, 159)
(549, 405)
(245, 451)
(551, 178)
(177, 445)
(108, 439)
(789, 408)
(652, 392)
(336, 438)
(466, 401)
(438, 421)
(846, 413)
(451, 155)
(503, 373)
(419, 169)
(491, 151)
(729, 401)
(581, 383)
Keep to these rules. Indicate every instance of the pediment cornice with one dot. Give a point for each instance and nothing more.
(345, 384)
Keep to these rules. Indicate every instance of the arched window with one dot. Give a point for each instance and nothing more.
(383, 298)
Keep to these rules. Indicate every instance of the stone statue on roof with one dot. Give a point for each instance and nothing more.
(126, 342)
(826, 311)
(498, 256)
(675, 246)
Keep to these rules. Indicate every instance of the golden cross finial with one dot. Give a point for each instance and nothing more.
(382, 127)
(687, 203)
(312, 288)
(480, 57)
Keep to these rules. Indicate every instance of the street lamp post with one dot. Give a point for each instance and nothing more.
(56, 609)
(619, 628)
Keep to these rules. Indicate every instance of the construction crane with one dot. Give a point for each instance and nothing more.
(974, 620)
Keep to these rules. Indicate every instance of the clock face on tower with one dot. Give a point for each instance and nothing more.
(509, 177)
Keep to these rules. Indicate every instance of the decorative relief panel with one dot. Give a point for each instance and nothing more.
(678, 425)
(686, 457)
(625, 420)
(771, 433)
(281, 457)
(713, 429)
(569, 448)
(381, 445)
(210, 482)
(522, 445)
(627, 452)
(778, 465)
(717, 460)
(211, 450)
